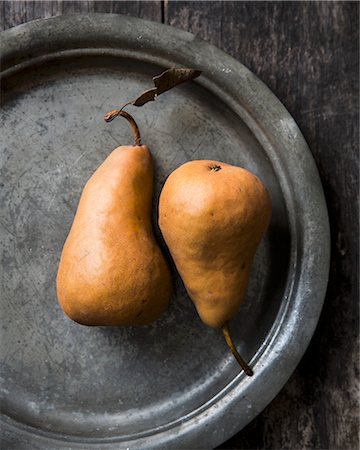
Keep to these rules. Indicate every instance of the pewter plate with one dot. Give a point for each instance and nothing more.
(173, 384)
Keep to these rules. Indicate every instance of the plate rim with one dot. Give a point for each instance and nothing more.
(245, 94)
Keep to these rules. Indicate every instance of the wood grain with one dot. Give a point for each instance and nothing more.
(16, 12)
(308, 54)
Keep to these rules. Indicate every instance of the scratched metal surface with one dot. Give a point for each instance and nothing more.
(162, 385)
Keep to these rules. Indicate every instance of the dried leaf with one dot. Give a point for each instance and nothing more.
(173, 77)
(145, 97)
(164, 82)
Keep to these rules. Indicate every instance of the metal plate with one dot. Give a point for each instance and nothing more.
(173, 384)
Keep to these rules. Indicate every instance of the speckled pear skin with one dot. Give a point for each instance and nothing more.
(212, 216)
(112, 271)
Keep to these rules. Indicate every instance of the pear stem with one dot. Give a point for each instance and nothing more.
(119, 112)
(247, 369)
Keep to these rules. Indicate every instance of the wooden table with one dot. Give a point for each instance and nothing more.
(308, 54)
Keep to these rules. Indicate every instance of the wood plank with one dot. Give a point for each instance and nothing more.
(20, 11)
(17, 12)
(308, 54)
(150, 10)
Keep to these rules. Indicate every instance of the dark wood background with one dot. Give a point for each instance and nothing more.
(308, 54)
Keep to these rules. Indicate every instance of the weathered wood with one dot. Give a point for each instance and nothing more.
(307, 53)
(16, 12)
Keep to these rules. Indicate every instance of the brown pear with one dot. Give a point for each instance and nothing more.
(112, 271)
(212, 216)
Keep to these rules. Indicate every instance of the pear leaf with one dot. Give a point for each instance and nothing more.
(146, 96)
(164, 82)
(173, 77)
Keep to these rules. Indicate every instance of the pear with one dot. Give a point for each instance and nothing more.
(212, 216)
(112, 271)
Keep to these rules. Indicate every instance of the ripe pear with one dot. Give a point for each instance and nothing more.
(112, 271)
(212, 216)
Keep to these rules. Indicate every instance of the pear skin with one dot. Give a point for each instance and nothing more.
(112, 271)
(212, 216)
